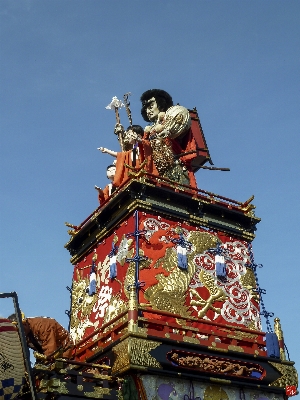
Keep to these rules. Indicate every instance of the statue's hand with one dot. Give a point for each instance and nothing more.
(161, 116)
(103, 149)
(159, 128)
(163, 134)
(98, 189)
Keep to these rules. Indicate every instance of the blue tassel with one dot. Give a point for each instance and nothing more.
(220, 265)
(92, 286)
(181, 257)
(272, 345)
(113, 260)
(113, 267)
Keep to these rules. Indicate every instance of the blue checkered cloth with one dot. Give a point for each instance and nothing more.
(8, 388)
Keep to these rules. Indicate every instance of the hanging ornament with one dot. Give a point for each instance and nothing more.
(92, 286)
(220, 255)
(182, 246)
(113, 259)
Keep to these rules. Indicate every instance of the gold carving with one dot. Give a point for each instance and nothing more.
(98, 392)
(53, 385)
(289, 375)
(130, 277)
(239, 335)
(81, 301)
(235, 348)
(249, 282)
(169, 294)
(140, 349)
(216, 294)
(213, 365)
(115, 307)
(251, 325)
(217, 349)
(189, 339)
(122, 361)
(134, 351)
(142, 331)
(133, 303)
(132, 326)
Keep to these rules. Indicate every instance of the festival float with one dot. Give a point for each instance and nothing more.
(165, 297)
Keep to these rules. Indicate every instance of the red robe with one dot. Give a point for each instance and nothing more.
(105, 193)
(125, 157)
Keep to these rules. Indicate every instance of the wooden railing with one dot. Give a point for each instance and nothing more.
(172, 327)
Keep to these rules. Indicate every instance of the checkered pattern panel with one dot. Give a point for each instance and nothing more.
(9, 389)
(12, 369)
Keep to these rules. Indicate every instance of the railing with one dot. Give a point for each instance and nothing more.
(160, 324)
(206, 196)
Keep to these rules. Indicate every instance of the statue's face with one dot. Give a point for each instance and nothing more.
(111, 172)
(152, 110)
(130, 137)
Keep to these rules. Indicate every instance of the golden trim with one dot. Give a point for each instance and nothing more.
(98, 392)
(188, 339)
(143, 332)
(134, 351)
(235, 348)
(289, 375)
(219, 380)
(217, 349)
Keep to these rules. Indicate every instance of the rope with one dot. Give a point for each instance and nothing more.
(258, 289)
(137, 258)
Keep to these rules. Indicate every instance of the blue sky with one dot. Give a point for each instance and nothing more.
(60, 64)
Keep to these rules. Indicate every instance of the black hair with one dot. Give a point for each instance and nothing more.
(163, 101)
(110, 166)
(137, 129)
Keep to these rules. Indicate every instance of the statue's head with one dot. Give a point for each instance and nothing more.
(154, 101)
(111, 172)
(131, 135)
(136, 129)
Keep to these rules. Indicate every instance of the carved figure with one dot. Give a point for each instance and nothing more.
(168, 123)
(103, 194)
(136, 154)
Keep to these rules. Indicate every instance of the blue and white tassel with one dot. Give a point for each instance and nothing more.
(220, 265)
(113, 260)
(220, 255)
(181, 250)
(93, 277)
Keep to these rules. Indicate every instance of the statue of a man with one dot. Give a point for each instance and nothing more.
(136, 153)
(169, 124)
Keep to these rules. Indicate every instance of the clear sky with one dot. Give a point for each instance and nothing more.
(61, 63)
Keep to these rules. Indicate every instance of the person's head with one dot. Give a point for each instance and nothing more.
(12, 318)
(154, 101)
(111, 172)
(132, 133)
